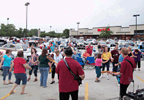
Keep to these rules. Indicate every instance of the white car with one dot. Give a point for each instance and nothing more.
(15, 48)
(122, 42)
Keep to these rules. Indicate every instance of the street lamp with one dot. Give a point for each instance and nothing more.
(50, 28)
(7, 25)
(136, 23)
(77, 28)
(26, 4)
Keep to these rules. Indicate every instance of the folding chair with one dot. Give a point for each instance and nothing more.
(79, 54)
(79, 59)
(91, 61)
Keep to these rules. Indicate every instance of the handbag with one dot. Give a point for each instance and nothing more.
(76, 77)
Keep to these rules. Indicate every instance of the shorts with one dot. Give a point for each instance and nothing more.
(19, 77)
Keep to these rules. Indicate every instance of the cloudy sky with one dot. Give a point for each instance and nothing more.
(61, 14)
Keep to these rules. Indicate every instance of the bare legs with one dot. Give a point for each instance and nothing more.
(15, 85)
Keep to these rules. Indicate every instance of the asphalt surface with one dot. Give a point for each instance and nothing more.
(105, 90)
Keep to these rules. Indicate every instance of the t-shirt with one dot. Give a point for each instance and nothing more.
(75, 56)
(26, 41)
(57, 58)
(89, 50)
(86, 55)
(106, 56)
(121, 58)
(24, 46)
(18, 65)
(138, 56)
(127, 70)
(66, 79)
(52, 48)
(98, 62)
(7, 61)
(115, 55)
(43, 61)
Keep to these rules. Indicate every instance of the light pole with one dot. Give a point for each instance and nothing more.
(7, 25)
(136, 23)
(50, 28)
(77, 28)
(26, 4)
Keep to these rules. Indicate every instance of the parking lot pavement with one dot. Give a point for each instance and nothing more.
(104, 90)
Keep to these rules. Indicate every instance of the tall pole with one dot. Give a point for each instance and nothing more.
(50, 28)
(26, 17)
(136, 23)
(26, 21)
(7, 25)
(77, 28)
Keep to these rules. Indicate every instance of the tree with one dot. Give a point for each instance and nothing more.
(66, 32)
(30, 34)
(106, 33)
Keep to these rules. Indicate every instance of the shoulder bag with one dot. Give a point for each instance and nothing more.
(76, 77)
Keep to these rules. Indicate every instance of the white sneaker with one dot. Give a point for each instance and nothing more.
(118, 85)
(107, 77)
(101, 76)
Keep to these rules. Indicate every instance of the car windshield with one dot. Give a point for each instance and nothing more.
(35, 39)
(102, 42)
(80, 41)
(18, 46)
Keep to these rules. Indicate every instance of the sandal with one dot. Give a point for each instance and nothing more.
(28, 79)
(11, 83)
(35, 80)
(5, 84)
(97, 81)
(23, 93)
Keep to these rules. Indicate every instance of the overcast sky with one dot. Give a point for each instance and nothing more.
(61, 14)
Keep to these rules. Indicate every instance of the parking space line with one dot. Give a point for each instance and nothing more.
(140, 78)
(6, 96)
(86, 92)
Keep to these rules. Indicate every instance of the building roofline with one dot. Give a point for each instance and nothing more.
(137, 25)
(107, 26)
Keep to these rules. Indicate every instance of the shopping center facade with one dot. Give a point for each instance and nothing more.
(119, 32)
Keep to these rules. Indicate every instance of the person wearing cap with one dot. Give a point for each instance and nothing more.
(89, 49)
(67, 84)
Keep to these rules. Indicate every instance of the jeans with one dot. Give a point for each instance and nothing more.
(35, 68)
(5, 72)
(65, 96)
(98, 71)
(107, 64)
(44, 75)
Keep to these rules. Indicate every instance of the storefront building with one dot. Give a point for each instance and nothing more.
(119, 32)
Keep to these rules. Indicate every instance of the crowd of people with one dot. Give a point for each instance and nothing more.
(124, 63)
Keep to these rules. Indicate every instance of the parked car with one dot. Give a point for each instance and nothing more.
(122, 42)
(130, 42)
(111, 46)
(91, 41)
(80, 44)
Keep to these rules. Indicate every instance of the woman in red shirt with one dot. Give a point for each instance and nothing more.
(19, 65)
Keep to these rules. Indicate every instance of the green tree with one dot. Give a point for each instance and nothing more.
(66, 32)
(30, 34)
(106, 33)
(43, 34)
